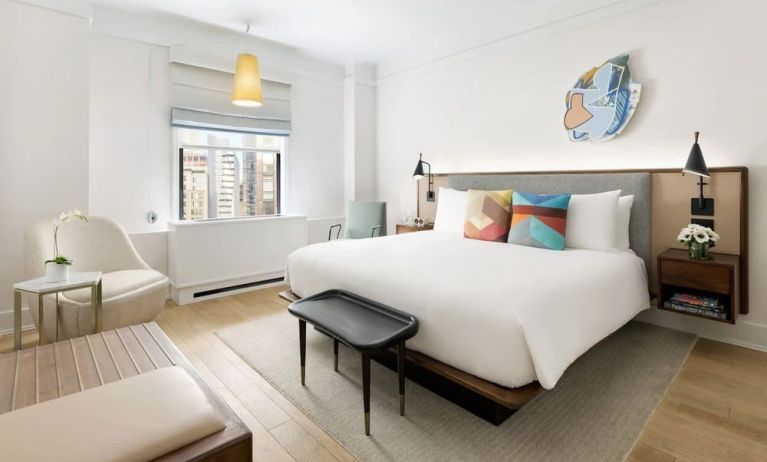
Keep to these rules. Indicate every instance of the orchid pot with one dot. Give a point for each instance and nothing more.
(57, 272)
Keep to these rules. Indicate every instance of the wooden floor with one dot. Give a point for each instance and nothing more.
(716, 409)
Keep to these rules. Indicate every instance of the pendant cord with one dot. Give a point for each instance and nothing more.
(247, 37)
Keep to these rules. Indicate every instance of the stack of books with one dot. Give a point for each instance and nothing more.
(703, 305)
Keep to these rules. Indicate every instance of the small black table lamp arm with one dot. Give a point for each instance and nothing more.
(418, 174)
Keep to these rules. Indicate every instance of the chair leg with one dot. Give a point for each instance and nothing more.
(302, 346)
(335, 354)
(366, 390)
(401, 376)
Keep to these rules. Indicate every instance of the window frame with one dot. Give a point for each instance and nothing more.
(279, 193)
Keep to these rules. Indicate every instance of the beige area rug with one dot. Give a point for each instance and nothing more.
(595, 413)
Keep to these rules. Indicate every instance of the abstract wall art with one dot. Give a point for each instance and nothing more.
(602, 101)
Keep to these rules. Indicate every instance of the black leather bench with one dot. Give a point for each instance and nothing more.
(364, 325)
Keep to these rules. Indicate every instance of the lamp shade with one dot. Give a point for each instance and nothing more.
(418, 173)
(247, 82)
(695, 162)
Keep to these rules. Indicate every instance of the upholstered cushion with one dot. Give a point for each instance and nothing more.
(139, 418)
(118, 283)
(539, 220)
(488, 215)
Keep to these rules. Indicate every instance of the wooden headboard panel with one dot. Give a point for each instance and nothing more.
(671, 194)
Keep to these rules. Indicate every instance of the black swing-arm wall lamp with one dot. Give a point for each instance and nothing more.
(418, 174)
(696, 165)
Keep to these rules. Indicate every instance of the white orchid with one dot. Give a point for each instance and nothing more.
(70, 214)
(63, 218)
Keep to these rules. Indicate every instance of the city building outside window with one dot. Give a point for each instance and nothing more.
(226, 174)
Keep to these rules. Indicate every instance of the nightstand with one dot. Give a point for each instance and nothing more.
(714, 279)
(402, 229)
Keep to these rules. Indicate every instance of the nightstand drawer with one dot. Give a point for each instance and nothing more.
(711, 278)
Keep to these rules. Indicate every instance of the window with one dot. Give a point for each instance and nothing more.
(225, 174)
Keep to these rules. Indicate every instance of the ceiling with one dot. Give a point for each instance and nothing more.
(375, 31)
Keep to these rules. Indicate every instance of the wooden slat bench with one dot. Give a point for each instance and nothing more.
(47, 372)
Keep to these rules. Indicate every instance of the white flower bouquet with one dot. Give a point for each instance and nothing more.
(697, 240)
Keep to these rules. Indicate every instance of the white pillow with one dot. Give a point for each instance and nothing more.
(451, 210)
(622, 222)
(591, 220)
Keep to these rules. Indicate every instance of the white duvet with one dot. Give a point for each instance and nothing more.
(506, 313)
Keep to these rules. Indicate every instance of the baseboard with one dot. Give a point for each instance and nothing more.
(744, 333)
(6, 321)
(208, 291)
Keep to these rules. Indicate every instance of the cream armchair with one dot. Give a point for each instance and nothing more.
(132, 292)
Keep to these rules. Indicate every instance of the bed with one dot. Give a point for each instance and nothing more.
(506, 314)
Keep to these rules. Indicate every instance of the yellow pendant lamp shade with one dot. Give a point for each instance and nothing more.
(247, 82)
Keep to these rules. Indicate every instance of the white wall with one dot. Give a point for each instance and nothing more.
(316, 154)
(131, 163)
(43, 127)
(360, 133)
(117, 162)
(500, 108)
(315, 157)
(130, 138)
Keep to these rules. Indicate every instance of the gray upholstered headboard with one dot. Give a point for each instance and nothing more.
(638, 184)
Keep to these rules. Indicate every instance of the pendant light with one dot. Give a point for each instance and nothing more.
(247, 80)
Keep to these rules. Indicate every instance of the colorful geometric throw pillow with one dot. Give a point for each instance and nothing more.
(539, 220)
(488, 215)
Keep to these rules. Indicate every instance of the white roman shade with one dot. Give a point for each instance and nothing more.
(202, 98)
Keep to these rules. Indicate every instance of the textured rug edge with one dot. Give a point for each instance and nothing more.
(231, 344)
(663, 396)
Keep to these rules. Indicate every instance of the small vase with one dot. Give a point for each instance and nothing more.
(56, 272)
(699, 251)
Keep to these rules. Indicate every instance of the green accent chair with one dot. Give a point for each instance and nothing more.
(363, 219)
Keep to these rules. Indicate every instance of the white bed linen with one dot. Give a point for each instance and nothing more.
(506, 313)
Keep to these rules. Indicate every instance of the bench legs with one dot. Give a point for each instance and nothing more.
(366, 389)
(302, 346)
(401, 374)
(365, 372)
(335, 354)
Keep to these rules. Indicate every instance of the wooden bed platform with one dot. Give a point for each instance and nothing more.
(42, 373)
(487, 400)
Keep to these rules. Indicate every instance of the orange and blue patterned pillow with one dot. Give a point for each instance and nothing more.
(539, 220)
(488, 215)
